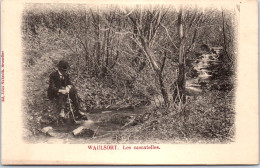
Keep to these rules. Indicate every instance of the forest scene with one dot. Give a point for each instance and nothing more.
(143, 73)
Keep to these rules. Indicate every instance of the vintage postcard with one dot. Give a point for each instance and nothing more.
(129, 82)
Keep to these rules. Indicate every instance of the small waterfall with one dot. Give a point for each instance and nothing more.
(205, 66)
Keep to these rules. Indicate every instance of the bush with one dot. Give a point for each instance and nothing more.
(207, 119)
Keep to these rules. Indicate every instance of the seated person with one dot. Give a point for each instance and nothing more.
(60, 87)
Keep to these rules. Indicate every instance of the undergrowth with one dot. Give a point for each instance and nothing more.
(209, 118)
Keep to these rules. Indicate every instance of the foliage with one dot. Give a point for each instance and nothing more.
(210, 120)
(126, 57)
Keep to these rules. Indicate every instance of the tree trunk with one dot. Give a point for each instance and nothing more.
(107, 48)
(179, 93)
(87, 61)
(98, 40)
(225, 39)
(163, 90)
(181, 83)
(224, 33)
(158, 72)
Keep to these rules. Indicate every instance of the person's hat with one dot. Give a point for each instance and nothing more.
(63, 65)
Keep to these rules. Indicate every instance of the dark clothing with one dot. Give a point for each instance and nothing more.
(74, 99)
(57, 82)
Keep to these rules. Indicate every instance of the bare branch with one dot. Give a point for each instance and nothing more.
(167, 32)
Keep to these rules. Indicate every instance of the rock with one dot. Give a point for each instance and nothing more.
(191, 91)
(44, 121)
(52, 133)
(78, 130)
(82, 113)
(49, 131)
(190, 82)
(103, 112)
(83, 132)
(88, 124)
(46, 129)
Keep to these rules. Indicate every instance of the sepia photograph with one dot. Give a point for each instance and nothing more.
(129, 74)
(136, 77)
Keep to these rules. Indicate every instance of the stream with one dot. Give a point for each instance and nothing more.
(106, 124)
(206, 66)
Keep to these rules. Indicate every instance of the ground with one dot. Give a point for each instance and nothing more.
(210, 114)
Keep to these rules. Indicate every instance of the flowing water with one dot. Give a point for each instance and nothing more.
(105, 124)
(206, 68)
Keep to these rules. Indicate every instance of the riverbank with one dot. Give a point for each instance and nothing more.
(209, 112)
